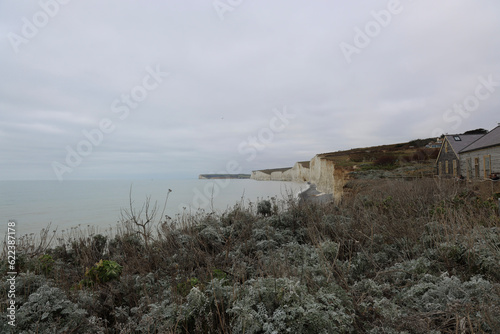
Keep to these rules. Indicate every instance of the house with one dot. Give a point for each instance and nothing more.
(448, 160)
(435, 144)
(481, 159)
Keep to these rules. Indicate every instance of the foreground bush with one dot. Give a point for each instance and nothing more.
(394, 257)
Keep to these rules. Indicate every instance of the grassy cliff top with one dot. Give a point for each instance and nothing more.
(386, 157)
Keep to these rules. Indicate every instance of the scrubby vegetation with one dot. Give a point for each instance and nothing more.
(413, 157)
(395, 257)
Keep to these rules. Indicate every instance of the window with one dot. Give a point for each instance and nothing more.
(440, 168)
(487, 166)
(457, 138)
(476, 167)
(469, 168)
(447, 167)
(446, 147)
(455, 168)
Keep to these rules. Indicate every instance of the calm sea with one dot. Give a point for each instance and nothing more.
(35, 204)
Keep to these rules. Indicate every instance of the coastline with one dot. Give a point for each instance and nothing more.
(35, 204)
(312, 195)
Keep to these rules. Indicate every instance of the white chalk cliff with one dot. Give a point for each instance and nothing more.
(319, 171)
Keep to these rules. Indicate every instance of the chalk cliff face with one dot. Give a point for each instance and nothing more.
(277, 174)
(339, 181)
(322, 174)
(300, 172)
(260, 176)
(287, 175)
(320, 171)
(330, 172)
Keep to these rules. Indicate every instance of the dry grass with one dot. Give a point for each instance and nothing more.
(377, 234)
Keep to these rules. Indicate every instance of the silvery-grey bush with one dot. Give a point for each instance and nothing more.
(282, 305)
(49, 310)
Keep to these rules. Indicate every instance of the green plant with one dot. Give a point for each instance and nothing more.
(219, 274)
(102, 272)
(45, 264)
(386, 202)
(185, 287)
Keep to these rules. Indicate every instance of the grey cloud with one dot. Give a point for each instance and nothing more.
(227, 76)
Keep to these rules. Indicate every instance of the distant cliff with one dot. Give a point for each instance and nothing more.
(300, 172)
(319, 171)
(330, 172)
(224, 176)
(276, 174)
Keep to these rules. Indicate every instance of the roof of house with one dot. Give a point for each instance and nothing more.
(490, 139)
(459, 142)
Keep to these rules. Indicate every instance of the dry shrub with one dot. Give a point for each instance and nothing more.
(391, 256)
(385, 160)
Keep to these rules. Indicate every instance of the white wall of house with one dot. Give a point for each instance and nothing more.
(472, 164)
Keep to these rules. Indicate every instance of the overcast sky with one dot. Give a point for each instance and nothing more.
(172, 89)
